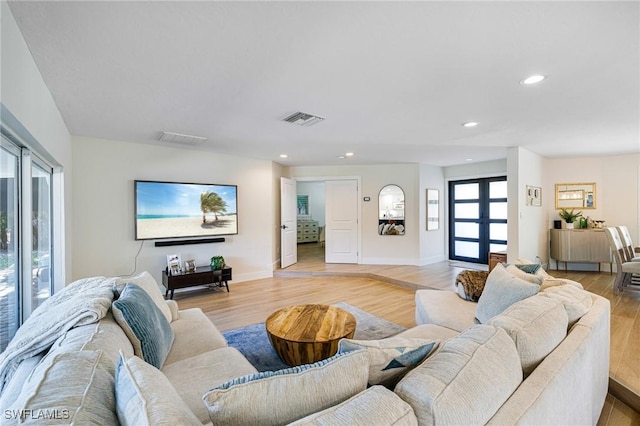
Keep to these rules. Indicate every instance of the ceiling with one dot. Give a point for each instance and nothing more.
(393, 80)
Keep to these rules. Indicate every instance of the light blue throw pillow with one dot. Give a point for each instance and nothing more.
(147, 328)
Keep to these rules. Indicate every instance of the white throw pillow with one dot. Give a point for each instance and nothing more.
(280, 397)
(144, 396)
(502, 290)
(391, 358)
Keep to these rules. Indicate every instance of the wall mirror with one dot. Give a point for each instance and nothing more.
(433, 209)
(576, 195)
(391, 211)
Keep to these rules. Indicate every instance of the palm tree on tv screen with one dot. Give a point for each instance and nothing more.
(210, 202)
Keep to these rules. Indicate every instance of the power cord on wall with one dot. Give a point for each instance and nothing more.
(135, 260)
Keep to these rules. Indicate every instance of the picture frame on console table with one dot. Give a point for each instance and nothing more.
(174, 264)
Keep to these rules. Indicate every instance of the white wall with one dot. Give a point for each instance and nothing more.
(432, 243)
(104, 241)
(380, 249)
(617, 189)
(24, 93)
(527, 225)
(315, 191)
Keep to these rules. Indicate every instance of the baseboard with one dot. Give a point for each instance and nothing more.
(624, 394)
(388, 261)
(431, 260)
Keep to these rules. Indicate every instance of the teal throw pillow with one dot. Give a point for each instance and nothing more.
(144, 324)
(530, 268)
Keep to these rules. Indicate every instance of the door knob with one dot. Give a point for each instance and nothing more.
(284, 227)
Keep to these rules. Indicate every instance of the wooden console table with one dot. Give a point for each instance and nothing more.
(579, 246)
(203, 275)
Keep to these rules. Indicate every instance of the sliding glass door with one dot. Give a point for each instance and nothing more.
(9, 248)
(477, 218)
(26, 233)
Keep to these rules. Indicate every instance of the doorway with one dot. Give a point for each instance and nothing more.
(327, 217)
(477, 218)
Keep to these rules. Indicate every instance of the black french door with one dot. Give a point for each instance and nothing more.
(477, 218)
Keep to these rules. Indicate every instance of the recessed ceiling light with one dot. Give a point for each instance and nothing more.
(284, 156)
(468, 159)
(470, 124)
(341, 157)
(533, 79)
(349, 154)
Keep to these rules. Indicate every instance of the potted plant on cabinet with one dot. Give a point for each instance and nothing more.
(569, 216)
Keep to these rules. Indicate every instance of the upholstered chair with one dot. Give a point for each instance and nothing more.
(624, 268)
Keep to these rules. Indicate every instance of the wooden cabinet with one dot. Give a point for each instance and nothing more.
(307, 231)
(579, 246)
(496, 257)
(203, 275)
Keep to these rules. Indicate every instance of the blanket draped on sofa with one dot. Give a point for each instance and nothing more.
(82, 302)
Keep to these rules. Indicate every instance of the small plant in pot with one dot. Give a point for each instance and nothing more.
(570, 216)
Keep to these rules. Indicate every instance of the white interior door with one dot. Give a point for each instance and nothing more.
(341, 221)
(288, 226)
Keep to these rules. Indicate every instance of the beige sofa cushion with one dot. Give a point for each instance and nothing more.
(193, 377)
(284, 396)
(76, 387)
(466, 381)
(576, 301)
(194, 334)
(375, 406)
(444, 308)
(429, 331)
(537, 325)
(502, 290)
(150, 285)
(144, 397)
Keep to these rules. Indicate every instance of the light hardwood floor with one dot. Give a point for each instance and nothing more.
(388, 292)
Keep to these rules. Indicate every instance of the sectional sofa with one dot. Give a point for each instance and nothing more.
(540, 360)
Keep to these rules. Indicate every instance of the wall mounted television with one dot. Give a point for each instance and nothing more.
(177, 210)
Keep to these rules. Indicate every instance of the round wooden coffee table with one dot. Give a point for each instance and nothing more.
(304, 334)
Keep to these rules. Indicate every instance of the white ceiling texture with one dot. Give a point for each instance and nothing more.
(393, 80)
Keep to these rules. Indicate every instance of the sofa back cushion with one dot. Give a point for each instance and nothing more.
(280, 397)
(576, 301)
(502, 290)
(466, 381)
(68, 388)
(536, 325)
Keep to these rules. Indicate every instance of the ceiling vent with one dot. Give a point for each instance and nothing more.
(181, 139)
(303, 119)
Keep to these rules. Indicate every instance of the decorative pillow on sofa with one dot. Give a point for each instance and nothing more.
(280, 397)
(523, 272)
(502, 290)
(470, 284)
(148, 330)
(144, 396)
(391, 358)
(148, 284)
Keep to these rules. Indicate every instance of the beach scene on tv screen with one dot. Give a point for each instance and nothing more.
(169, 210)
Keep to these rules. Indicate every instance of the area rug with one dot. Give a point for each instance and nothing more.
(252, 341)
